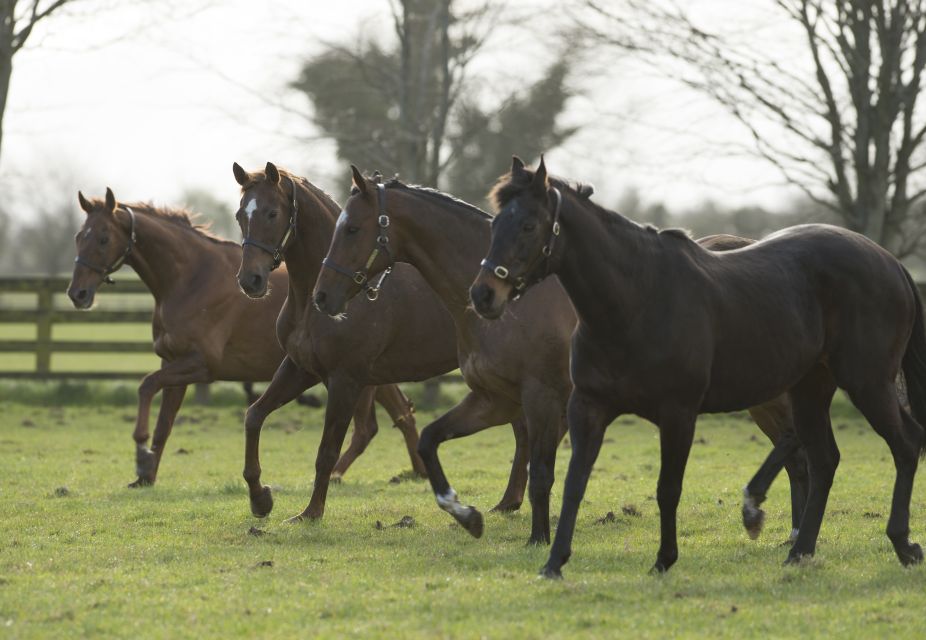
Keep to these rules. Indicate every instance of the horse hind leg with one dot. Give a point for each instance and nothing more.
(517, 479)
(904, 436)
(365, 428)
(545, 412)
(811, 399)
(402, 412)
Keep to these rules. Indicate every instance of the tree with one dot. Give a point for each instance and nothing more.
(412, 108)
(846, 126)
(17, 19)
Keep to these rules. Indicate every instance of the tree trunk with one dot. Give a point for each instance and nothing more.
(6, 57)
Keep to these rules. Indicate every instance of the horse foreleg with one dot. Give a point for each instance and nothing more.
(676, 432)
(365, 428)
(171, 399)
(517, 478)
(288, 382)
(477, 411)
(588, 419)
(178, 373)
(343, 394)
(402, 412)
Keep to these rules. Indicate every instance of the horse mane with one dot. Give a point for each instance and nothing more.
(437, 195)
(257, 177)
(180, 217)
(507, 188)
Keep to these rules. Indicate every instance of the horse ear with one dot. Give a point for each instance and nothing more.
(241, 176)
(110, 200)
(272, 173)
(84, 203)
(358, 179)
(517, 166)
(539, 184)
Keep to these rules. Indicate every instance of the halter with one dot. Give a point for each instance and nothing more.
(362, 277)
(520, 283)
(277, 251)
(117, 264)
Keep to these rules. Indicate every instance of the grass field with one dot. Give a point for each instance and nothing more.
(81, 555)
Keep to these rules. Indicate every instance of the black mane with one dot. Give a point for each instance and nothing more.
(434, 194)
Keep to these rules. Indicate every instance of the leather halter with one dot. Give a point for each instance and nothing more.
(520, 282)
(118, 262)
(277, 251)
(362, 277)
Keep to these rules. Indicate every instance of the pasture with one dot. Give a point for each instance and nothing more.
(82, 555)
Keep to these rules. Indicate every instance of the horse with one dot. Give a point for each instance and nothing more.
(397, 333)
(203, 329)
(668, 330)
(518, 366)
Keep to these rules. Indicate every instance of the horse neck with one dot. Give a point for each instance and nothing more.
(445, 246)
(164, 253)
(624, 276)
(314, 228)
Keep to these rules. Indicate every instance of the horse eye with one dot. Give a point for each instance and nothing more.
(351, 230)
(529, 226)
(104, 240)
(272, 215)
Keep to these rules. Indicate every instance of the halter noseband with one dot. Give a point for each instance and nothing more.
(362, 277)
(520, 282)
(277, 251)
(118, 262)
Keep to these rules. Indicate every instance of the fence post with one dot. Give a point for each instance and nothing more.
(43, 330)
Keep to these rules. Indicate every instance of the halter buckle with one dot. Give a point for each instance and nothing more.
(360, 277)
(383, 221)
(500, 272)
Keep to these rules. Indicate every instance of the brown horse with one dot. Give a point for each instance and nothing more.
(668, 330)
(519, 364)
(404, 335)
(203, 329)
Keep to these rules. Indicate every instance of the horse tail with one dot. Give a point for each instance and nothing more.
(914, 365)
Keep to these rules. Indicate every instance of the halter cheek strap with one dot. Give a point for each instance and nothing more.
(362, 276)
(520, 282)
(117, 264)
(278, 251)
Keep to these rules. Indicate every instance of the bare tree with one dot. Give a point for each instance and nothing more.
(844, 123)
(17, 20)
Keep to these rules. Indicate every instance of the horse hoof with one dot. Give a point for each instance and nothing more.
(538, 541)
(144, 462)
(141, 482)
(472, 521)
(910, 556)
(336, 478)
(302, 517)
(262, 503)
(795, 559)
(505, 507)
(550, 573)
(658, 569)
(753, 521)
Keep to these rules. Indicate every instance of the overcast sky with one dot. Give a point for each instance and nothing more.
(152, 98)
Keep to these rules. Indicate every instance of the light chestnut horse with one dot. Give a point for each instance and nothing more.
(204, 329)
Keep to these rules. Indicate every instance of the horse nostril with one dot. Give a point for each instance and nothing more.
(482, 295)
(256, 281)
(320, 298)
(82, 295)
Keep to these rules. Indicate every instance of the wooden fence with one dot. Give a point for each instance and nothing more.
(45, 314)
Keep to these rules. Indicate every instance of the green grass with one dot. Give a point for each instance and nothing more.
(177, 560)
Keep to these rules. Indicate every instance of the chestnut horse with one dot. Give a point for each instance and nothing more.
(203, 329)
(668, 330)
(517, 364)
(404, 335)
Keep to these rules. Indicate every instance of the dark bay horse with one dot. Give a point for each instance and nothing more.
(668, 330)
(203, 329)
(404, 335)
(515, 366)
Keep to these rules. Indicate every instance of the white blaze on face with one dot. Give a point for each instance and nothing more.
(342, 220)
(250, 208)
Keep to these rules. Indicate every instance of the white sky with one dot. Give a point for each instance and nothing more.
(152, 98)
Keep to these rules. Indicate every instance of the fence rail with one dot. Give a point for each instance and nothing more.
(44, 315)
